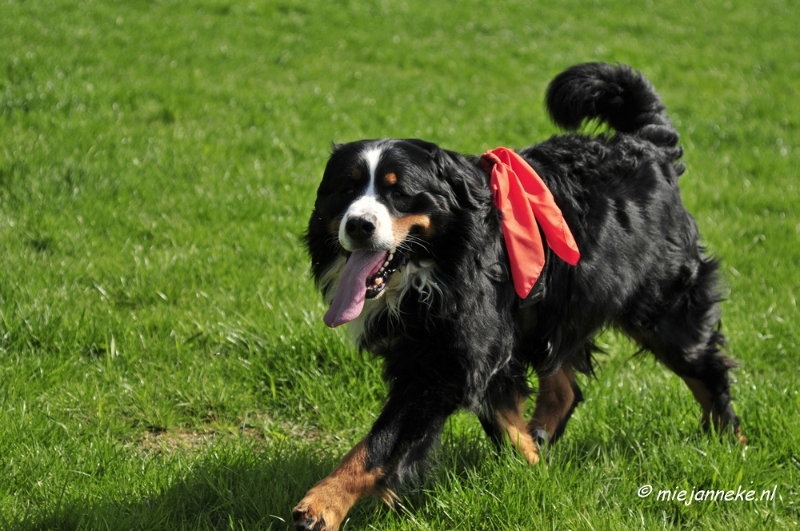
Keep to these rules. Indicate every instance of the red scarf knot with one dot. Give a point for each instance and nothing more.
(527, 204)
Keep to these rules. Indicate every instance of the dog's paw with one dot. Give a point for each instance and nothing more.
(540, 438)
(307, 518)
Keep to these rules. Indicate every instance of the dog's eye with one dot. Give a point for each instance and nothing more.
(398, 193)
(348, 191)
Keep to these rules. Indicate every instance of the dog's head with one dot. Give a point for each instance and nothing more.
(383, 204)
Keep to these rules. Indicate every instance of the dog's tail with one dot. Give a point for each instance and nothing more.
(617, 95)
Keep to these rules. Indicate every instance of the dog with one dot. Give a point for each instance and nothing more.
(407, 245)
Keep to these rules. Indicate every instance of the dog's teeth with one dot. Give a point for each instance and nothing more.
(390, 257)
(378, 281)
(382, 269)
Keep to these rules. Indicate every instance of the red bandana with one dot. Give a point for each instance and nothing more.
(524, 200)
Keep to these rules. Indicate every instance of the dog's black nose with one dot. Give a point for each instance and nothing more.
(360, 228)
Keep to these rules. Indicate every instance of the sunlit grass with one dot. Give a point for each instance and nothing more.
(163, 364)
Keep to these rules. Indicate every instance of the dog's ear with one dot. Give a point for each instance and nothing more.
(465, 178)
(423, 147)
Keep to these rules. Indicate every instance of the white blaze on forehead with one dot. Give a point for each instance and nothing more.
(367, 206)
(372, 156)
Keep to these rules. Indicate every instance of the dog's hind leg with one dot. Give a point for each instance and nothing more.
(704, 369)
(556, 399)
(687, 339)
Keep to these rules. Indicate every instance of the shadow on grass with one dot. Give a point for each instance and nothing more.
(234, 487)
(227, 488)
(249, 487)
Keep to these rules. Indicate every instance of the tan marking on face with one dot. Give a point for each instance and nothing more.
(402, 226)
(329, 500)
(356, 174)
(514, 424)
(390, 179)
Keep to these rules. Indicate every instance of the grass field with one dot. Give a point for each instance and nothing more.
(163, 363)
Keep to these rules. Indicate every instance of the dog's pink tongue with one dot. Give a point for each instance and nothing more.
(352, 290)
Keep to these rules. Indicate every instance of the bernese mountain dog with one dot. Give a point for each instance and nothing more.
(407, 246)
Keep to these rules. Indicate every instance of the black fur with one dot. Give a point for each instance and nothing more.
(642, 268)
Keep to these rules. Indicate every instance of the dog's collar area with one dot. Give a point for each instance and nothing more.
(527, 206)
(499, 272)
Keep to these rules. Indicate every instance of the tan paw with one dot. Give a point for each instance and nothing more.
(309, 516)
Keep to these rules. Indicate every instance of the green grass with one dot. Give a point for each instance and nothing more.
(163, 364)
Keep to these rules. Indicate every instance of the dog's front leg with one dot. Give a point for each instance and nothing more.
(409, 425)
(326, 504)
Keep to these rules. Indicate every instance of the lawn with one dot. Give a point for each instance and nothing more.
(163, 362)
